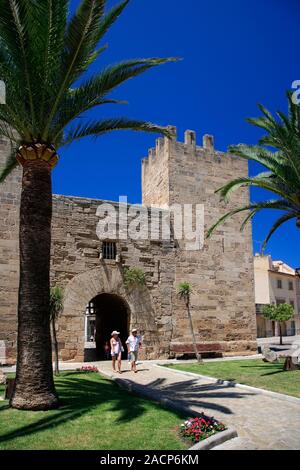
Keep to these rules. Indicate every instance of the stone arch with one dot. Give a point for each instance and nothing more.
(109, 312)
(82, 288)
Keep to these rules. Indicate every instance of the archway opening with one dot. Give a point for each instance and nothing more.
(106, 313)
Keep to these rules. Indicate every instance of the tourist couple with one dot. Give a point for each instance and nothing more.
(134, 342)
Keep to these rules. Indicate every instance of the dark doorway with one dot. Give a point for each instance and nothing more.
(112, 313)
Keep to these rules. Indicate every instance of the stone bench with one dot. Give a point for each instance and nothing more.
(186, 351)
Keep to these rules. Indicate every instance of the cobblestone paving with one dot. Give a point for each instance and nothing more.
(262, 422)
(238, 443)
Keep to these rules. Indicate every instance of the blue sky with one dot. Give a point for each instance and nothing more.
(235, 54)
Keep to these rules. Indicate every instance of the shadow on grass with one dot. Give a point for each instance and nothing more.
(264, 365)
(276, 369)
(78, 396)
(285, 372)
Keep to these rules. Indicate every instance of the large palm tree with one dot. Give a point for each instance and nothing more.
(279, 152)
(43, 58)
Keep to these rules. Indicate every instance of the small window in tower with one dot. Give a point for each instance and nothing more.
(109, 250)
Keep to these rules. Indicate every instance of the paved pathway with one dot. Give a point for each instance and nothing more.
(262, 421)
(76, 365)
(274, 340)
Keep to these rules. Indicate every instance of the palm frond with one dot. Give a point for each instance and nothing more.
(248, 218)
(51, 31)
(80, 43)
(93, 91)
(265, 181)
(260, 122)
(82, 37)
(6, 131)
(108, 20)
(277, 224)
(276, 162)
(43, 57)
(273, 204)
(98, 128)
(17, 11)
(283, 165)
(268, 115)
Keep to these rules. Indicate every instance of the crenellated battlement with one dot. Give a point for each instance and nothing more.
(173, 170)
(163, 144)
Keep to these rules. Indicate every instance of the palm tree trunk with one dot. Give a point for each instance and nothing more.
(34, 385)
(56, 365)
(198, 355)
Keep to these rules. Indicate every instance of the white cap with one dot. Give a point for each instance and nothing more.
(115, 333)
(133, 329)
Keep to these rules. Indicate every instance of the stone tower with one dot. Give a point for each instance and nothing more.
(221, 273)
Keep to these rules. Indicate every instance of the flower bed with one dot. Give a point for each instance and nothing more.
(88, 369)
(200, 428)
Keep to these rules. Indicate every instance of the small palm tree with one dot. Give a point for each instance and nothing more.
(56, 307)
(184, 291)
(44, 56)
(282, 177)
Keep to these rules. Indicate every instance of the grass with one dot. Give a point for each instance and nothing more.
(95, 414)
(252, 372)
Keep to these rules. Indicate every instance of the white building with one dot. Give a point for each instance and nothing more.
(275, 283)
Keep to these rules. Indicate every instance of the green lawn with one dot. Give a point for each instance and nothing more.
(94, 414)
(252, 372)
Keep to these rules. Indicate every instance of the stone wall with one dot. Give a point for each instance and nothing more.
(221, 273)
(9, 259)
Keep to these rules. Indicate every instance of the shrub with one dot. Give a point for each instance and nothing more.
(88, 369)
(134, 277)
(200, 428)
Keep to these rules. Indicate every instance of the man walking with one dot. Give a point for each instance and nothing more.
(134, 342)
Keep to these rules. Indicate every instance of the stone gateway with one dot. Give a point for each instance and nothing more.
(91, 270)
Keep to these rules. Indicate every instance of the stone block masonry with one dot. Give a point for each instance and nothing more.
(9, 259)
(221, 273)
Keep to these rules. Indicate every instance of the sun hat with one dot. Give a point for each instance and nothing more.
(115, 333)
(133, 329)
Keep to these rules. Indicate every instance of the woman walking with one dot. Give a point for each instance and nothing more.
(116, 350)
